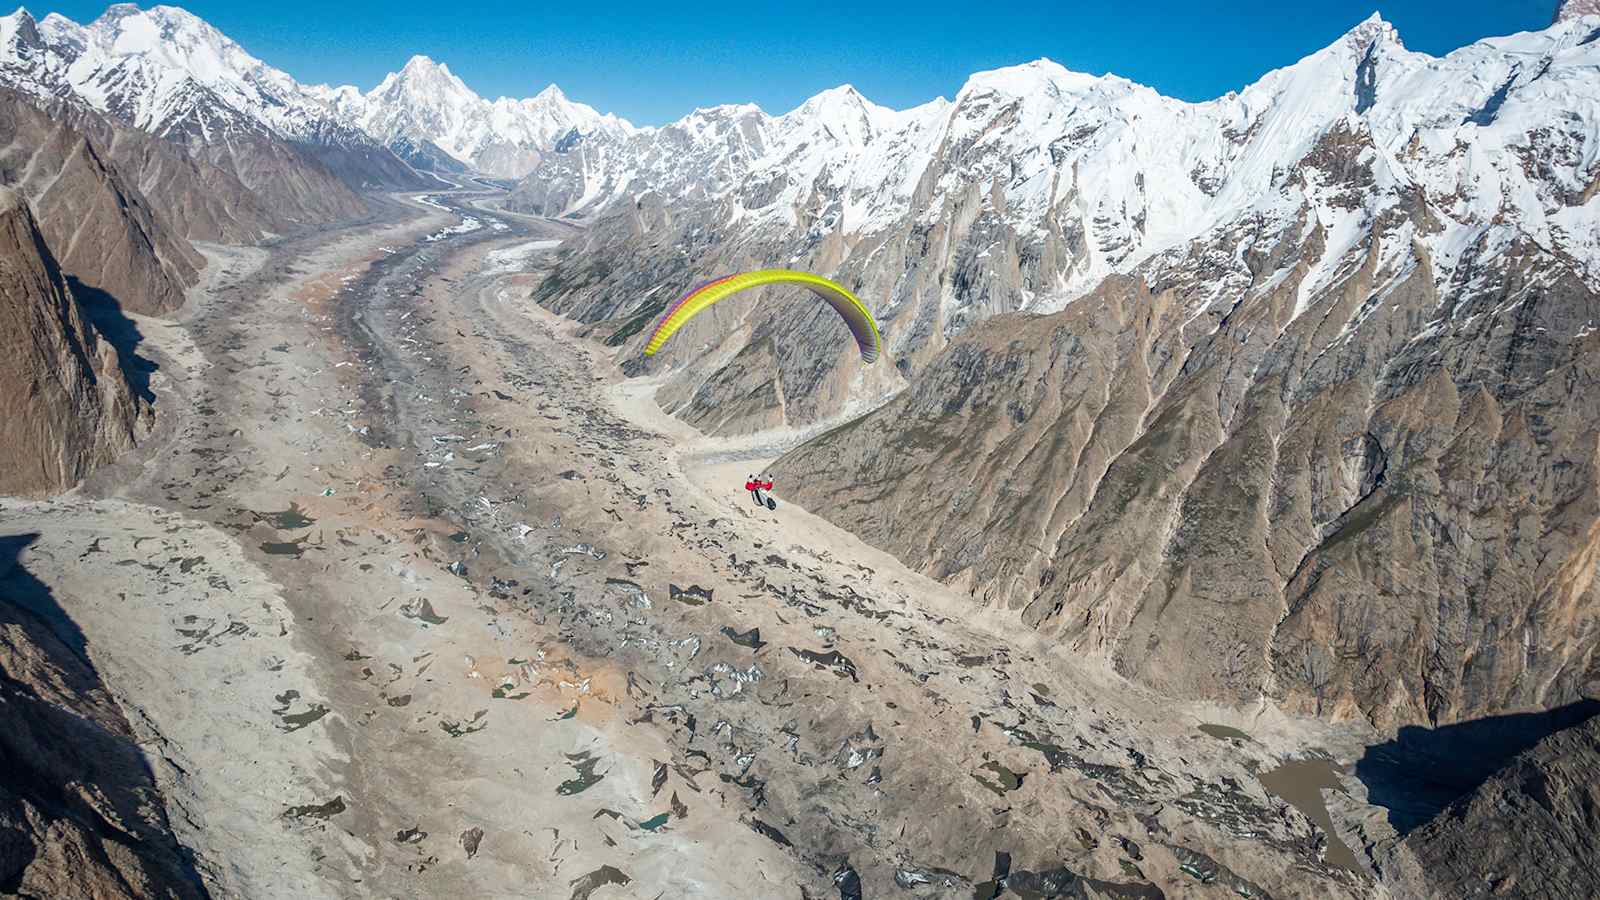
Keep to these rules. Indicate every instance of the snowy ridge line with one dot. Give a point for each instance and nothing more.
(1035, 185)
(168, 72)
(1140, 173)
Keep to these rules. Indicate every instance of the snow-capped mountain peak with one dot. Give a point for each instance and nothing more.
(426, 104)
(169, 72)
(163, 70)
(562, 114)
(1041, 76)
(1055, 179)
(173, 37)
(425, 88)
(428, 82)
(57, 28)
(841, 114)
(422, 64)
(1373, 27)
(20, 25)
(23, 38)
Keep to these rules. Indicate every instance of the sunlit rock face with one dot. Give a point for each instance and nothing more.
(63, 396)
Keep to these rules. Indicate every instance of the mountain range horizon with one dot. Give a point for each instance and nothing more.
(443, 62)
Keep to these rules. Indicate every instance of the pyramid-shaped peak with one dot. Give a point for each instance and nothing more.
(842, 96)
(21, 26)
(1374, 28)
(420, 63)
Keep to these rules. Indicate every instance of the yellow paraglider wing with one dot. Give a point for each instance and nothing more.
(852, 310)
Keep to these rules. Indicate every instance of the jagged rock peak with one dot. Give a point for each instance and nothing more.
(20, 24)
(1373, 29)
(1568, 10)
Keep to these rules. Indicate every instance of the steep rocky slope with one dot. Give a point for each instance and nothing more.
(65, 402)
(1385, 506)
(81, 814)
(101, 229)
(1345, 440)
(201, 202)
(290, 179)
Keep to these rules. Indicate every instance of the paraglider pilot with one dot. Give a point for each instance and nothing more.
(755, 486)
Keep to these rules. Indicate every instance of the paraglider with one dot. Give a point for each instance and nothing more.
(852, 310)
(854, 313)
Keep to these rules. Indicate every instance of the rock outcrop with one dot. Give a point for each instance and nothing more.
(65, 402)
(745, 395)
(1574, 9)
(104, 233)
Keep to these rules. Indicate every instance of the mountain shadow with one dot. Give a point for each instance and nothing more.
(1423, 770)
(21, 593)
(122, 332)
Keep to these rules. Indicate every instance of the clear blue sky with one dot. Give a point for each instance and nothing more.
(653, 62)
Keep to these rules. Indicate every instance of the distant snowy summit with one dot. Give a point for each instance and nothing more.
(425, 106)
(162, 70)
(1110, 170)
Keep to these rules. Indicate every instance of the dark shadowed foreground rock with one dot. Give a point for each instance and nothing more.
(64, 402)
(80, 815)
(1533, 830)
